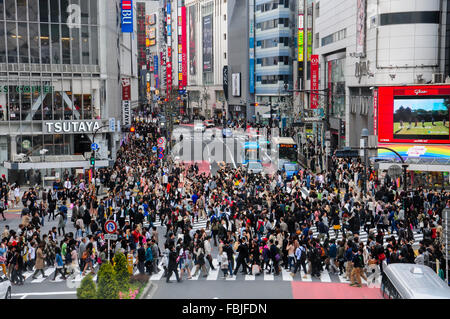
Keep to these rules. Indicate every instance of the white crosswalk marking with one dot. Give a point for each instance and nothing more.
(158, 275)
(47, 272)
(325, 277)
(193, 272)
(213, 274)
(286, 275)
(308, 277)
(28, 274)
(343, 279)
(268, 277)
(250, 277)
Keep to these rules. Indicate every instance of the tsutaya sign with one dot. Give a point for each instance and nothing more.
(61, 127)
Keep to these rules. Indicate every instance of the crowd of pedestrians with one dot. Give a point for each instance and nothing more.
(257, 223)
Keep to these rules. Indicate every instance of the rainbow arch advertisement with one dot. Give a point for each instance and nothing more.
(415, 151)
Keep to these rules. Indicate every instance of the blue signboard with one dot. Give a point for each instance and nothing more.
(156, 70)
(94, 147)
(127, 16)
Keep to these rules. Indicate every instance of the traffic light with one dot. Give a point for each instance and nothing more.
(132, 129)
(92, 161)
(254, 104)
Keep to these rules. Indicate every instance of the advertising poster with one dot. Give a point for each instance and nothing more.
(192, 41)
(314, 81)
(360, 27)
(236, 84)
(207, 44)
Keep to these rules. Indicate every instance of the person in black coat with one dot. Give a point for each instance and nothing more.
(172, 265)
(242, 257)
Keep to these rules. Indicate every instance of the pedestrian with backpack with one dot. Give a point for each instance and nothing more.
(300, 257)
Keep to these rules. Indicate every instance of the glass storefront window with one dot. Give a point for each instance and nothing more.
(10, 9)
(47, 107)
(11, 42)
(84, 11)
(2, 12)
(34, 43)
(45, 44)
(68, 112)
(33, 10)
(23, 42)
(85, 44)
(94, 45)
(87, 107)
(43, 10)
(14, 103)
(54, 10)
(337, 87)
(37, 145)
(56, 51)
(58, 106)
(64, 13)
(65, 42)
(35, 97)
(22, 10)
(77, 103)
(58, 43)
(25, 102)
(75, 41)
(2, 42)
(93, 12)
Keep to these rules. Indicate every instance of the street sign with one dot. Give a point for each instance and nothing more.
(112, 124)
(94, 146)
(110, 227)
(395, 171)
(312, 119)
(154, 149)
(160, 155)
(346, 153)
(110, 236)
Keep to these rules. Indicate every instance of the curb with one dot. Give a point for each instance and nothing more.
(147, 290)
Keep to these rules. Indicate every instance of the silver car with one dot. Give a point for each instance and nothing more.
(254, 167)
(5, 287)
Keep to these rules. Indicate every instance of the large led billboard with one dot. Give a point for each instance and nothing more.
(414, 114)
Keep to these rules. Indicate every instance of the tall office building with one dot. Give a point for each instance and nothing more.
(63, 64)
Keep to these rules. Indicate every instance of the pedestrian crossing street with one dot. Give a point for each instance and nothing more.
(363, 235)
(213, 275)
(217, 275)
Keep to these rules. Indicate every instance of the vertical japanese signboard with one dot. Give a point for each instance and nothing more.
(126, 101)
(169, 49)
(314, 81)
(252, 47)
(127, 16)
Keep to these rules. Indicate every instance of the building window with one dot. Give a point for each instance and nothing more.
(334, 37)
(409, 17)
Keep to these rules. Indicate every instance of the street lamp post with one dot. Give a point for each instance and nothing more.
(365, 136)
(93, 141)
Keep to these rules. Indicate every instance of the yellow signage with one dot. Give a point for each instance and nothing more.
(300, 46)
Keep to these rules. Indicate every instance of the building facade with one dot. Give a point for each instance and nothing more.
(366, 45)
(62, 66)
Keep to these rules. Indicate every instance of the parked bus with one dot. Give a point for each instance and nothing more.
(412, 281)
(286, 151)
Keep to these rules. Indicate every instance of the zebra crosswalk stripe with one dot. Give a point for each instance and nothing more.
(286, 275)
(47, 272)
